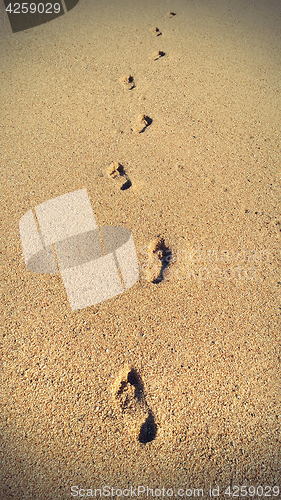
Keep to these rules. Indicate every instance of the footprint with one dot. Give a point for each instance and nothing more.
(128, 82)
(155, 31)
(159, 258)
(157, 55)
(170, 14)
(128, 396)
(141, 124)
(117, 172)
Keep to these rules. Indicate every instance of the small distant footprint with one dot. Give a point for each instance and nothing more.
(128, 396)
(117, 172)
(157, 55)
(141, 124)
(128, 82)
(155, 31)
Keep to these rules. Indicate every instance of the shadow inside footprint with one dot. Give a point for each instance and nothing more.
(141, 124)
(165, 257)
(127, 185)
(148, 430)
(117, 172)
(158, 54)
(128, 82)
(155, 31)
(135, 380)
(128, 391)
(146, 122)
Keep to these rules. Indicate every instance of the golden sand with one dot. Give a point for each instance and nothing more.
(176, 382)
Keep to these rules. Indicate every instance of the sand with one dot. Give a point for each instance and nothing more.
(176, 382)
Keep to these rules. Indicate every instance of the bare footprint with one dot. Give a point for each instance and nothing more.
(116, 172)
(141, 124)
(128, 397)
(157, 55)
(155, 31)
(159, 258)
(128, 82)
